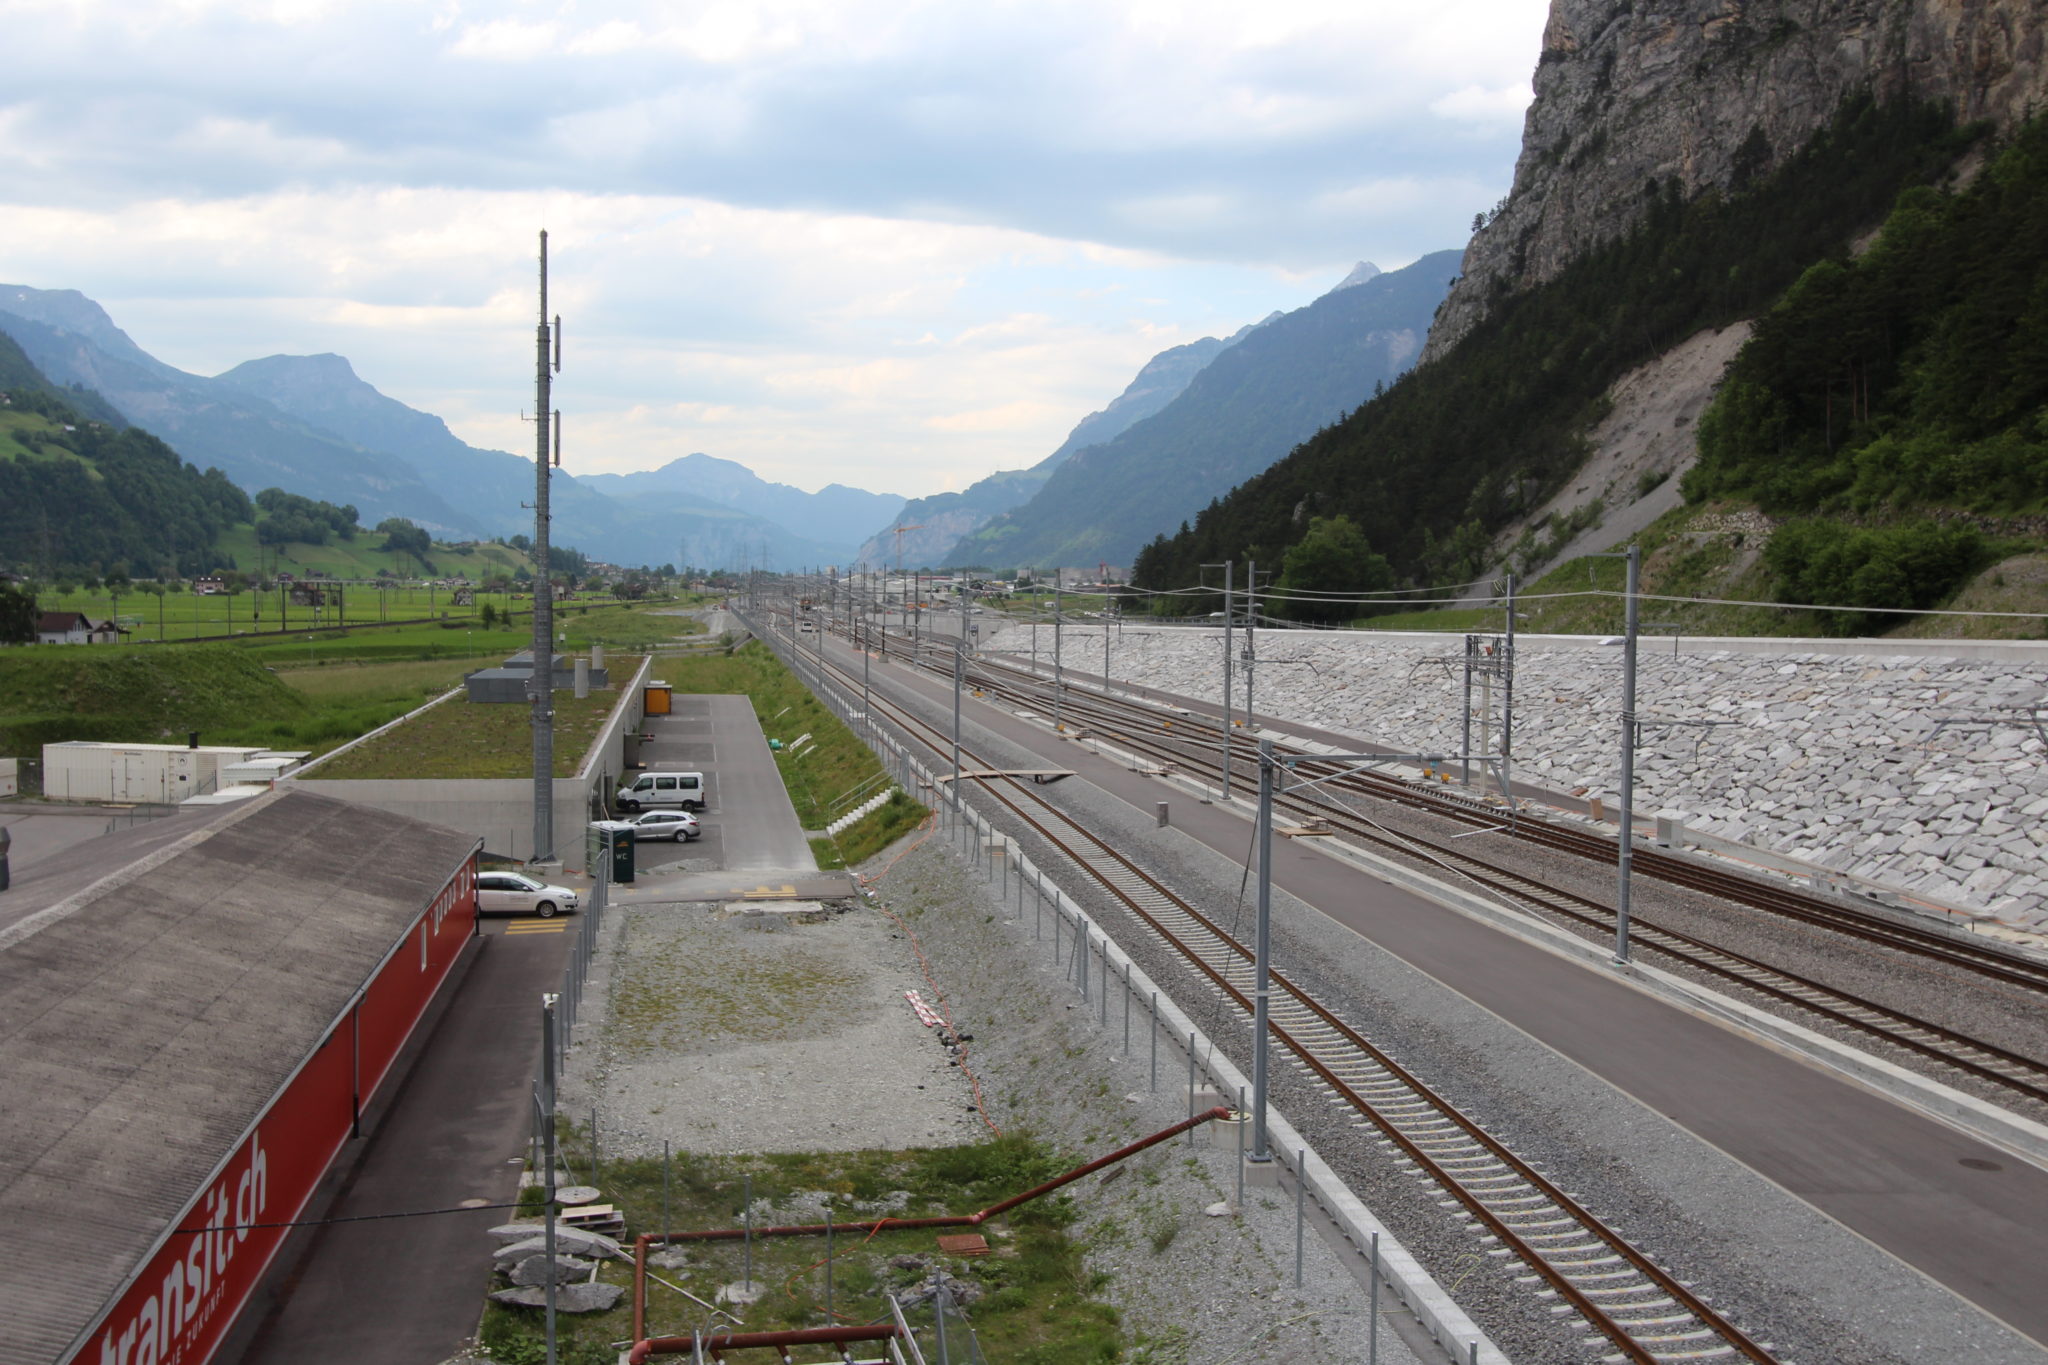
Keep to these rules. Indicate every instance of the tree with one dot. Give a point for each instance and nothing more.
(1333, 557)
(17, 616)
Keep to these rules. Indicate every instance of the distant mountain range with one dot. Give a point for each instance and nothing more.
(310, 425)
(944, 519)
(1267, 390)
(1195, 421)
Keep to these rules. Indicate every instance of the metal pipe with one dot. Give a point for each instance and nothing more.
(742, 1341)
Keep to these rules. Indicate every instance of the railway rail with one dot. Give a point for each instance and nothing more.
(1634, 1309)
(1138, 727)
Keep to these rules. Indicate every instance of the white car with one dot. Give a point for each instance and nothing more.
(515, 893)
(678, 825)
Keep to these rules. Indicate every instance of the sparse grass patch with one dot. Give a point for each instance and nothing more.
(1038, 1304)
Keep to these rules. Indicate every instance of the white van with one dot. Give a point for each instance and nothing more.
(663, 789)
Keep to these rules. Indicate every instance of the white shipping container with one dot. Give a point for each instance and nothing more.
(79, 770)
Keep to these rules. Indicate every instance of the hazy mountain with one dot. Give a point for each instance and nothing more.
(946, 517)
(1278, 385)
(487, 486)
(256, 444)
(825, 517)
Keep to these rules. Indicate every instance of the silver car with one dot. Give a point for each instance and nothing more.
(678, 825)
(515, 893)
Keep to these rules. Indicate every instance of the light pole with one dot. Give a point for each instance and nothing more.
(1262, 952)
(1625, 850)
(1628, 757)
(959, 672)
(1058, 677)
(1229, 567)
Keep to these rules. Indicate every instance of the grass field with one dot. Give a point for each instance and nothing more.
(310, 691)
(1039, 1304)
(360, 558)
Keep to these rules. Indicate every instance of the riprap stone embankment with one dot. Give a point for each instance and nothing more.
(1921, 772)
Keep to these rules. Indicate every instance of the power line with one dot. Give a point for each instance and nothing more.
(350, 1218)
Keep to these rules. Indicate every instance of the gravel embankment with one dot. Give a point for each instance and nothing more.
(1921, 773)
(714, 1033)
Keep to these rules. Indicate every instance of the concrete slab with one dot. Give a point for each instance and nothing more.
(772, 885)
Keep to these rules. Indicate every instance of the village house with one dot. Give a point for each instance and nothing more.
(74, 628)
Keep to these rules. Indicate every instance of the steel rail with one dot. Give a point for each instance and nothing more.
(1989, 960)
(1631, 1337)
(2024, 1076)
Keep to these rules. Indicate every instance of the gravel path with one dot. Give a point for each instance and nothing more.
(753, 1028)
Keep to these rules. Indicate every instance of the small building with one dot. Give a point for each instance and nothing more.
(74, 628)
(88, 770)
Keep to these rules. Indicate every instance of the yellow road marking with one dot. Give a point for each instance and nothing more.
(539, 926)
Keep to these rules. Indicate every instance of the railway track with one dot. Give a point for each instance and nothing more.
(1991, 960)
(1634, 1309)
(1139, 729)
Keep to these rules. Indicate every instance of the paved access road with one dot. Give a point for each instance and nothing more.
(1896, 1177)
(408, 1291)
(749, 825)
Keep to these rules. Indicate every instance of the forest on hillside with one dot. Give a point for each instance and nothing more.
(85, 497)
(1895, 404)
(1431, 470)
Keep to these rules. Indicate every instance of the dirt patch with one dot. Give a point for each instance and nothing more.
(743, 1032)
(1640, 449)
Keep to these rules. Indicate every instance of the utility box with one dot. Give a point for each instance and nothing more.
(10, 777)
(611, 845)
(660, 699)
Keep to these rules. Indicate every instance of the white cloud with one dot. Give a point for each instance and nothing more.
(1477, 104)
(908, 237)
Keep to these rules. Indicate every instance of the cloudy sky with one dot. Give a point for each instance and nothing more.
(891, 243)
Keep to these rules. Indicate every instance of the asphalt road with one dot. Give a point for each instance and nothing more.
(749, 824)
(407, 1291)
(1889, 1173)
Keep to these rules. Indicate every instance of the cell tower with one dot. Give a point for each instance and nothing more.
(547, 425)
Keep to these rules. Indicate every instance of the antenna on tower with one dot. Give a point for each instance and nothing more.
(558, 426)
(558, 343)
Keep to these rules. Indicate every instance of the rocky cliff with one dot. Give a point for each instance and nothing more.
(1711, 93)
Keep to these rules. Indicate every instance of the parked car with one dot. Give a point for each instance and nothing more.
(678, 825)
(685, 790)
(515, 893)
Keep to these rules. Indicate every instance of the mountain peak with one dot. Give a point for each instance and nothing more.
(1362, 273)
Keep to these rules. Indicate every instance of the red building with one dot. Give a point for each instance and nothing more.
(188, 1035)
